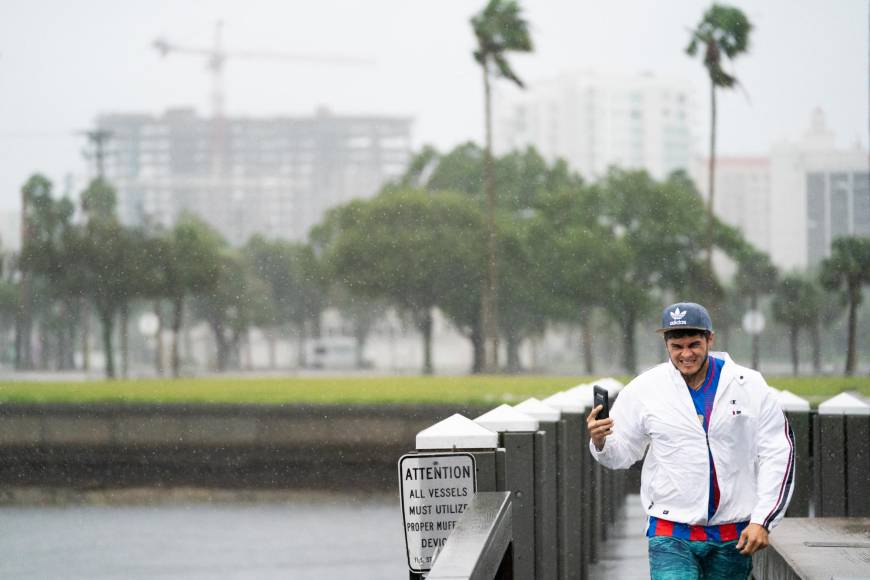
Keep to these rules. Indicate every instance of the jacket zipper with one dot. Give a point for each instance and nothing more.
(709, 467)
(710, 463)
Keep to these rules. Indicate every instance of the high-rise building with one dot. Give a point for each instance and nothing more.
(274, 176)
(742, 196)
(793, 203)
(594, 121)
(838, 204)
(10, 231)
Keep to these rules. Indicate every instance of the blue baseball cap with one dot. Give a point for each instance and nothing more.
(685, 315)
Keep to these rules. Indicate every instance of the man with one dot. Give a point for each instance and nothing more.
(719, 468)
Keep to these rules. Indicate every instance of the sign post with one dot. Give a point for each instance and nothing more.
(436, 489)
(753, 325)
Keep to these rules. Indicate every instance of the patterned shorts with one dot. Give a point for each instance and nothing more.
(675, 559)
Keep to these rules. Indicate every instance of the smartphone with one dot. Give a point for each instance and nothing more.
(601, 397)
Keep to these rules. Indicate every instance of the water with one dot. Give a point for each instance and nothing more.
(298, 541)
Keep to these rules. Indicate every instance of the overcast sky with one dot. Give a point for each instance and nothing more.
(63, 62)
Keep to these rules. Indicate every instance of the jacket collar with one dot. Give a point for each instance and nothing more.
(729, 369)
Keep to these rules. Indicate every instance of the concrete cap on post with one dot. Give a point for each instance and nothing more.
(565, 402)
(791, 402)
(844, 404)
(456, 432)
(506, 418)
(539, 410)
(585, 394)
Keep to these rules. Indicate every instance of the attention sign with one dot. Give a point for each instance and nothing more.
(436, 489)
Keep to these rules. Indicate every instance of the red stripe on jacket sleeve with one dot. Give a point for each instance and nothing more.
(785, 478)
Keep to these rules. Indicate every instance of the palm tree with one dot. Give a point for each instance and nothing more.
(723, 29)
(848, 269)
(499, 28)
(796, 305)
(756, 276)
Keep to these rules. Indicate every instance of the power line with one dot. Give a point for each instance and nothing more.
(98, 139)
(36, 134)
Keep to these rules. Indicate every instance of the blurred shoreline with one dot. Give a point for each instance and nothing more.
(42, 496)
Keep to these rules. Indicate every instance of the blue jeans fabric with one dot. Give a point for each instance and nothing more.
(674, 559)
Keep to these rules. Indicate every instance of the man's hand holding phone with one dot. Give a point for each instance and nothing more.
(598, 428)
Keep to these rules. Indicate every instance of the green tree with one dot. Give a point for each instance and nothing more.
(362, 313)
(8, 309)
(238, 300)
(313, 287)
(99, 200)
(156, 249)
(102, 252)
(191, 267)
(796, 305)
(407, 247)
(521, 307)
(722, 29)
(522, 178)
(139, 271)
(728, 315)
(296, 283)
(655, 236)
(847, 270)
(571, 252)
(48, 287)
(109, 258)
(267, 261)
(499, 29)
(460, 169)
(756, 276)
(522, 301)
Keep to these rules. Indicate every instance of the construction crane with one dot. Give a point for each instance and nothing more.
(216, 58)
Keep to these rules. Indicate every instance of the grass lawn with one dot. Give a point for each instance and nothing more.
(349, 390)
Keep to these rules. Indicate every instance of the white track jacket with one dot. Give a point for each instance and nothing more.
(749, 438)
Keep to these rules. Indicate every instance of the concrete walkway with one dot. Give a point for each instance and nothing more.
(624, 554)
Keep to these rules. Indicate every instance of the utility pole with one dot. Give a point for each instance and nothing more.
(24, 322)
(97, 139)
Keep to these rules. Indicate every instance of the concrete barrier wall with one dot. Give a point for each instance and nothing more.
(299, 446)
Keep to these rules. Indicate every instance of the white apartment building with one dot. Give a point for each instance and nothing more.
(10, 230)
(793, 203)
(595, 120)
(273, 176)
(743, 196)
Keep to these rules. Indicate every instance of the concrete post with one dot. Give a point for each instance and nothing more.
(517, 437)
(571, 448)
(858, 469)
(612, 497)
(590, 488)
(460, 434)
(842, 437)
(797, 410)
(546, 524)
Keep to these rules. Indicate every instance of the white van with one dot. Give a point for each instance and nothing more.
(333, 353)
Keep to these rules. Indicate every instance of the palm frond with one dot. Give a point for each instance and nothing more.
(500, 28)
(505, 70)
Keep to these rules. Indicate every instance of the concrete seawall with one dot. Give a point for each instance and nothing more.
(324, 447)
